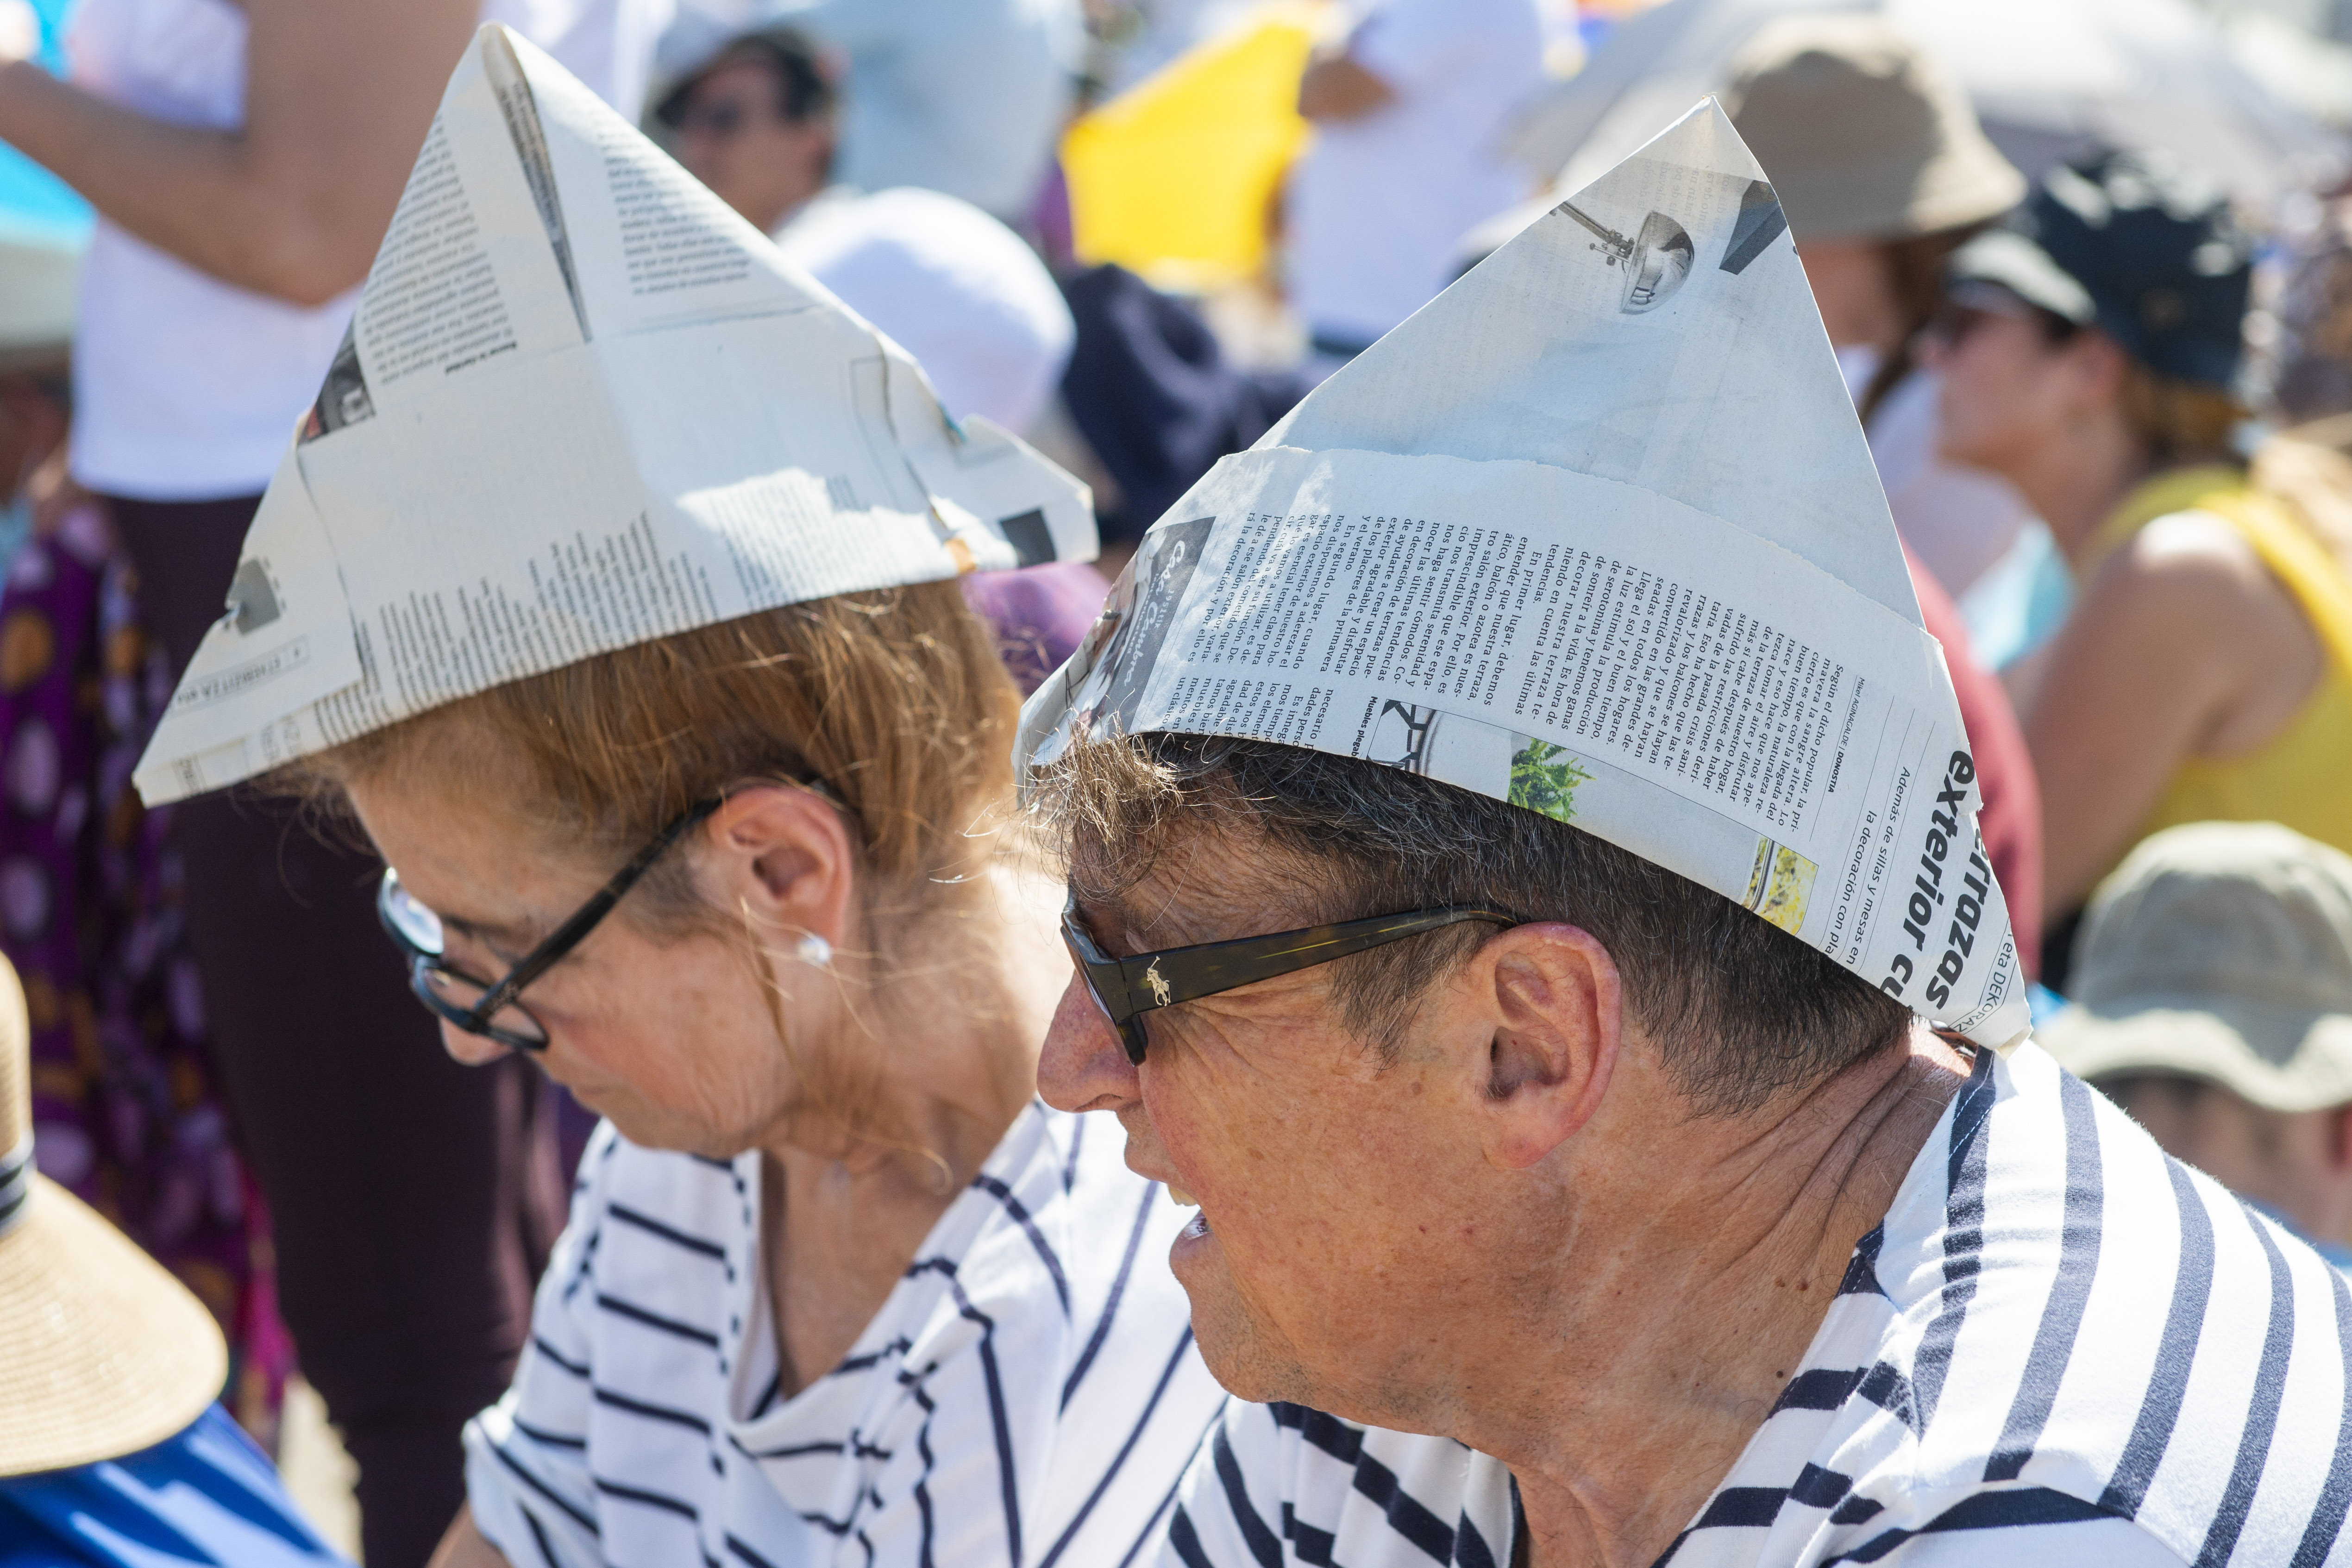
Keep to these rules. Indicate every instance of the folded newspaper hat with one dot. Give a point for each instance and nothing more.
(582, 405)
(1596, 532)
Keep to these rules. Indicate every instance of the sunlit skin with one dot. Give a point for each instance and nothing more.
(669, 1035)
(1335, 89)
(766, 167)
(1516, 1234)
(293, 202)
(2181, 644)
(1855, 294)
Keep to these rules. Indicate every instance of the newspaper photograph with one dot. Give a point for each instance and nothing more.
(652, 420)
(1552, 540)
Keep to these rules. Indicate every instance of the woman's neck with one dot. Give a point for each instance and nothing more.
(2075, 476)
(955, 1045)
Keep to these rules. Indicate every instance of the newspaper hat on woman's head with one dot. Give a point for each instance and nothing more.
(582, 405)
(1596, 532)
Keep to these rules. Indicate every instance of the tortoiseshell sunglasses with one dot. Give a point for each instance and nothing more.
(1126, 988)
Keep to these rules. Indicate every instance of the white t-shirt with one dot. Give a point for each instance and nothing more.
(1378, 204)
(1956, 520)
(2061, 1347)
(951, 286)
(962, 95)
(1028, 1395)
(187, 388)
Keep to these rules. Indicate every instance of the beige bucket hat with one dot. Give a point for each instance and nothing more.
(2221, 951)
(103, 1352)
(1861, 137)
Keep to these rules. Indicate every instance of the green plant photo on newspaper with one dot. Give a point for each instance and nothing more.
(1544, 778)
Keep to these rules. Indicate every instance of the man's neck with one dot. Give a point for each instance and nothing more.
(1621, 1408)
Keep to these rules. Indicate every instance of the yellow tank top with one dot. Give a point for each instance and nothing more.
(2303, 777)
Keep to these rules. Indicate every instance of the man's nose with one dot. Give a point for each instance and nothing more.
(473, 1050)
(1082, 1066)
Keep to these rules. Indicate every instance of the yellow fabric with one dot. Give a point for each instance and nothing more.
(2303, 777)
(1173, 179)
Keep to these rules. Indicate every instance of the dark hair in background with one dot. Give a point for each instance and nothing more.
(1916, 276)
(805, 92)
(1743, 1012)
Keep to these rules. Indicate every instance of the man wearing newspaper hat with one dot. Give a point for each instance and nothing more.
(1525, 892)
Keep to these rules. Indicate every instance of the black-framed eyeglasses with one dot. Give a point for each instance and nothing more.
(1126, 988)
(493, 1011)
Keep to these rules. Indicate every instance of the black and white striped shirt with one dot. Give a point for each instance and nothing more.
(1028, 1395)
(2061, 1346)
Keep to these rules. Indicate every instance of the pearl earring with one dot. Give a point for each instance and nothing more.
(815, 951)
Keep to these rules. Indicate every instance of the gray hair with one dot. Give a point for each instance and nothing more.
(1742, 1011)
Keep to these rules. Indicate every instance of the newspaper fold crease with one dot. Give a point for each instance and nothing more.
(582, 405)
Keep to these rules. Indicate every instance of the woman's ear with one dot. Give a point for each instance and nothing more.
(1557, 1008)
(785, 856)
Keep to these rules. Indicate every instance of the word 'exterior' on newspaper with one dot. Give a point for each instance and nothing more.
(1596, 532)
(582, 405)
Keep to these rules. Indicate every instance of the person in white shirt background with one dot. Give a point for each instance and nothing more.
(244, 162)
(963, 97)
(1407, 111)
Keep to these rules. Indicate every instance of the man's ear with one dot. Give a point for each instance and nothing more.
(1556, 1004)
(785, 855)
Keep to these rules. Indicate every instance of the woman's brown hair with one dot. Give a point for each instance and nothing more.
(1915, 278)
(894, 702)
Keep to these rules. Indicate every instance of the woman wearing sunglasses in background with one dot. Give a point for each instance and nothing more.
(2206, 669)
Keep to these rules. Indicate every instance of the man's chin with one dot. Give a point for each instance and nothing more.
(1233, 1347)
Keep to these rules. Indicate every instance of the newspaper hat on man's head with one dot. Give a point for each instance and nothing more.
(582, 405)
(1596, 532)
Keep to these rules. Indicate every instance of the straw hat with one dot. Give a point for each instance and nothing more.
(2221, 951)
(1861, 137)
(103, 1352)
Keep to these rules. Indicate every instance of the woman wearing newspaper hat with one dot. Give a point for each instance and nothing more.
(2207, 671)
(243, 160)
(635, 647)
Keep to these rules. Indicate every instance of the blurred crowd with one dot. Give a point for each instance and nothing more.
(2099, 341)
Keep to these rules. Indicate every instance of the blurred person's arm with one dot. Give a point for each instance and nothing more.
(463, 1547)
(2183, 645)
(338, 96)
(1335, 88)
